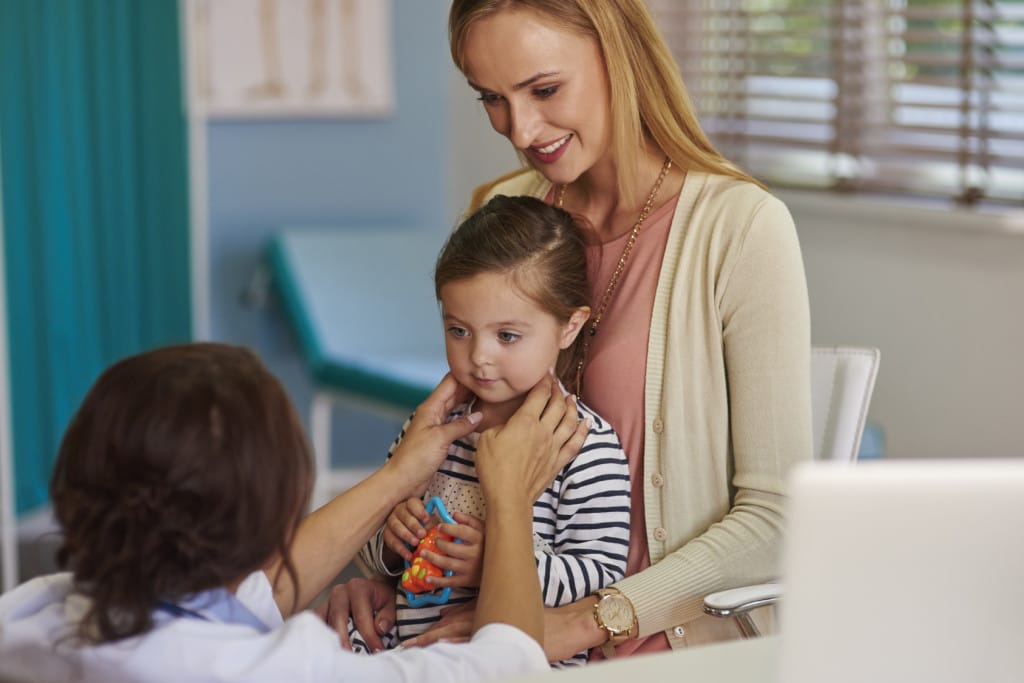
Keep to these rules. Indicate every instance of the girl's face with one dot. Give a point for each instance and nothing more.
(545, 88)
(499, 343)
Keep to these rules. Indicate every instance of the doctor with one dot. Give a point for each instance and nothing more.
(179, 488)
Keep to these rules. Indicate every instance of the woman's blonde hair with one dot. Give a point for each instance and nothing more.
(648, 97)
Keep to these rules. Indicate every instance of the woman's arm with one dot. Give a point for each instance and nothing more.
(766, 340)
(328, 538)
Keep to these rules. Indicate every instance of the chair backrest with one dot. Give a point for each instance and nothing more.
(842, 380)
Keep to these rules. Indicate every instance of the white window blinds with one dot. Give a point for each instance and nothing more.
(919, 97)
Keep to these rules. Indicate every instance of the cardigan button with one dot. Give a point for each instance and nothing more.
(660, 534)
(657, 480)
(658, 426)
(679, 631)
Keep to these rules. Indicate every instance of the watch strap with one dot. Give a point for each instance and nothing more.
(614, 638)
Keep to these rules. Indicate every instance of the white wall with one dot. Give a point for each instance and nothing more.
(940, 292)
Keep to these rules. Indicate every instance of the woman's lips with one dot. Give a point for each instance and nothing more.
(551, 152)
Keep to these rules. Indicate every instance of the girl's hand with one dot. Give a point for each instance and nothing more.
(465, 559)
(405, 526)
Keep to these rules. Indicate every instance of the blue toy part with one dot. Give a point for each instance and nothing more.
(435, 504)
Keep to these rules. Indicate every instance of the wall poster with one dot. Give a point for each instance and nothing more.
(289, 57)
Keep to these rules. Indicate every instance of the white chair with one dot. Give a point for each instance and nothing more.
(842, 381)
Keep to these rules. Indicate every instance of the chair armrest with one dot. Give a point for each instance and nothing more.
(736, 601)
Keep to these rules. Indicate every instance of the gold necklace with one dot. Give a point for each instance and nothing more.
(613, 282)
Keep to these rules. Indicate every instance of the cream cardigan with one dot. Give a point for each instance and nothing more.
(727, 400)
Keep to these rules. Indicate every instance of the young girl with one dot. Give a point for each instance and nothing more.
(512, 284)
(179, 488)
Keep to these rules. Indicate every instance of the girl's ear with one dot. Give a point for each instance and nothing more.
(573, 326)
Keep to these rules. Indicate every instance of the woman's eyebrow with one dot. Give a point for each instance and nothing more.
(518, 86)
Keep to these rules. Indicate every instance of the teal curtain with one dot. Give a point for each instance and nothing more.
(93, 156)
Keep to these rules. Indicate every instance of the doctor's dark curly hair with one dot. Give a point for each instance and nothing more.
(184, 469)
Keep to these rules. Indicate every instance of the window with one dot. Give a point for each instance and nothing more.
(918, 97)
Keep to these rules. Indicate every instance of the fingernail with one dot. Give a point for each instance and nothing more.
(383, 626)
(590, 423)
(474, 418)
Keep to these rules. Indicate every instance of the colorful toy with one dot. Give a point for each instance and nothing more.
(414, 579)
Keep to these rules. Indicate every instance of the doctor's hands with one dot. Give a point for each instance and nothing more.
(516, 461)
(428, 436)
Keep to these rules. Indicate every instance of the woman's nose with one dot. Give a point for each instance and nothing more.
(522, 126)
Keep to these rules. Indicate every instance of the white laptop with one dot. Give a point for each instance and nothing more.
(904, 571)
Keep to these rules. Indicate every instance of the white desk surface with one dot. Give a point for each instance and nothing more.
(739, 661)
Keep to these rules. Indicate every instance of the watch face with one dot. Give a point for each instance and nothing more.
(616, 613)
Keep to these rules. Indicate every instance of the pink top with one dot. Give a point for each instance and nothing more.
(613, 377)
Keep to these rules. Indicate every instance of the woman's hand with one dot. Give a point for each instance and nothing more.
(454, 626)
(570, 629)
(567, 629)
(370, 604)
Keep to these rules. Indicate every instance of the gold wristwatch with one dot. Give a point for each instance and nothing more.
(615, 615)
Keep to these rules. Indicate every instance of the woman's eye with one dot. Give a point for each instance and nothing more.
(489, 97)
(458, 331)
(545, 93)
(508, 337)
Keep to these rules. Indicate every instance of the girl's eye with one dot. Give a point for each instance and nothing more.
(456, 331)
(508, 337)
(544, 93)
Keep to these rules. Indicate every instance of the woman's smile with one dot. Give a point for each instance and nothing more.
(550, 152)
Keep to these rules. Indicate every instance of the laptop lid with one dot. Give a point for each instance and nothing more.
(904, 571)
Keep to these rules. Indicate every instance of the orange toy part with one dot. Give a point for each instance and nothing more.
(414, 578)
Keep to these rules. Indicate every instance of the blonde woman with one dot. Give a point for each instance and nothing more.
(698, 348)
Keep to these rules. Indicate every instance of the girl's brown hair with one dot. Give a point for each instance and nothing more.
(648, 97)
(540, 246)
(184, 469)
